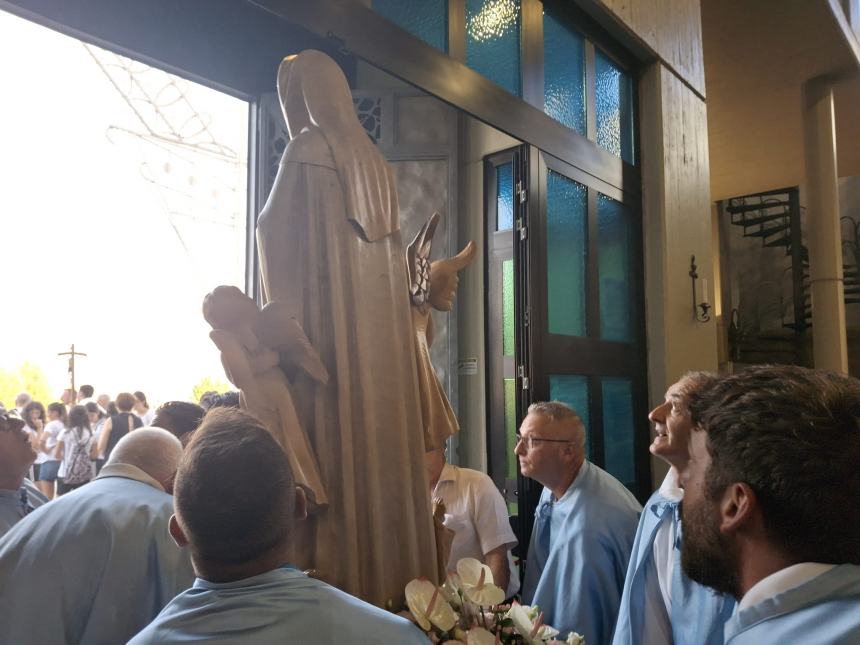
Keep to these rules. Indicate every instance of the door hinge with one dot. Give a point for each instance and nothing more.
(521, 372)
(523, 229)
(522, 192)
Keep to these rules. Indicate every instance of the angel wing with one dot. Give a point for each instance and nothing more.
(280, 331)
(418, 261)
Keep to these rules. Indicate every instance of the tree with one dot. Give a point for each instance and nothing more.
(209, 384)
(27, 377)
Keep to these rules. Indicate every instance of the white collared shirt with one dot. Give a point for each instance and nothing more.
(781, 581)
(475, 510)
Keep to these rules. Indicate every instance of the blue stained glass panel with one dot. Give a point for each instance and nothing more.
(566, 243)
(618, 429)
(613, 259)
(493, 41)
(564, 73)
(614, 109)
(424, 19)
(505, 197)
(573, 390)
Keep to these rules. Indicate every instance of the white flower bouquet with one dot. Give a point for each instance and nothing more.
(467, 610)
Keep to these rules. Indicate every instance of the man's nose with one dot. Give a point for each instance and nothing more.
(658, 414)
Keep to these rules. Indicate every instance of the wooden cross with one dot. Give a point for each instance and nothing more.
(71, 354)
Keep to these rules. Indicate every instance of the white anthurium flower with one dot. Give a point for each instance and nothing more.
(575, 639)
(480, 636)
(428, 605)
(477, 581)
(451, 590)
(525, 627)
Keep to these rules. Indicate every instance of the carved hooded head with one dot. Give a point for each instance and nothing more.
(313, 91)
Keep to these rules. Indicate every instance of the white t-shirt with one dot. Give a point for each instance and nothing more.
(97, 432)
(52, 432)
(147, 417)
(71, 439)
(475, 510)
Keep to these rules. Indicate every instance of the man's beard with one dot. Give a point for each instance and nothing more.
(707, 556)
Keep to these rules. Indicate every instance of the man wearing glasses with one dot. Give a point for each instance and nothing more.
(18, 496)
(584, 526)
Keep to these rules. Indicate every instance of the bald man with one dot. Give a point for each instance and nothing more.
(97, 564)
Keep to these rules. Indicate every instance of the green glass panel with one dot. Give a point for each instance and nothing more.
(619, 429)
(425, 19)
(493, 41)
(573, 390)
(563, 72)
(614, 107)
(505, 197)
(508, 307)
(566, 211)
(613, 253)
(511, 427)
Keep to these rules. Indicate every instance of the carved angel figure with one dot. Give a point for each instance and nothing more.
(432, 285)
(253, 346)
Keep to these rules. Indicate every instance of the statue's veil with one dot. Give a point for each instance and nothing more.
(366, 179)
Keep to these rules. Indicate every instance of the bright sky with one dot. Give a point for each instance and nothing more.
(110, 240)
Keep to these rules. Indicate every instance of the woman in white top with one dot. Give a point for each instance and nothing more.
(48, 440)
(142, 409)
(73, 450)
(34, 415)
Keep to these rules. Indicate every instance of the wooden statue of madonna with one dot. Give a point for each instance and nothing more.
(358, 373)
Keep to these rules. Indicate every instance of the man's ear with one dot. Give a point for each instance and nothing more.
(738, 507)
(301, 504)
(176, 532)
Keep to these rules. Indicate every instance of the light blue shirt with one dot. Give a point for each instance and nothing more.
(825, 610)
(279, 606)
(15, 504)
(697, 614)
(93, 566)
(579, 552)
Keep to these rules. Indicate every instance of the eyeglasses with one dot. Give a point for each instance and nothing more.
(531, 441)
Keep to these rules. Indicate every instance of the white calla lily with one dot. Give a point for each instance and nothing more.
(480, 636)
(451, 590)
(428, 605)
(524, 626)
(477, 581)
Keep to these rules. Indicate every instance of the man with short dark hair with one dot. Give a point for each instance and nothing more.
(584, 526)
(771, 512)
(236, 504)
(96, 565)
(85, 394)
(660, 605)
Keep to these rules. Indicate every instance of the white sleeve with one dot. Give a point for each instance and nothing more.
(491, 516)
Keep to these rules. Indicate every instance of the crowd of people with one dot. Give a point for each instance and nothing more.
(74, 436)
(187, 530)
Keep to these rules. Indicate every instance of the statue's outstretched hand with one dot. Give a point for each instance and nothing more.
(444, 279)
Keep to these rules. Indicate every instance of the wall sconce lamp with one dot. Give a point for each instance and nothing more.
(700, 309)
